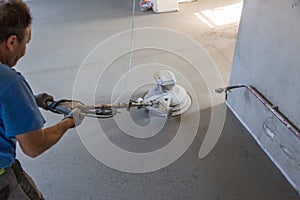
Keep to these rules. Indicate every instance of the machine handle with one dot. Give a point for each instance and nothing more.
(54, 107)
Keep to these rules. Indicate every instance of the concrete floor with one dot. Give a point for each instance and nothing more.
(65, 33)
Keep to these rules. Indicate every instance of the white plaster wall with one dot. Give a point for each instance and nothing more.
(267, 56)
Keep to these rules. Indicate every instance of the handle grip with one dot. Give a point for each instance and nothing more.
(55, 107)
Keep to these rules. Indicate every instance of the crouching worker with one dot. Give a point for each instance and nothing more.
(20, 118)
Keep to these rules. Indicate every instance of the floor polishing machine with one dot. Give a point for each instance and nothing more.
(165, 99)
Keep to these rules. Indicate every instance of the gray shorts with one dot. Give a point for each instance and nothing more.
(16, 184)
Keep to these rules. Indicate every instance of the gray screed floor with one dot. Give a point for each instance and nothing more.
(81, 48)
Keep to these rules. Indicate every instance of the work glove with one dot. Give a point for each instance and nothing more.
(76, 115)
(41, 100)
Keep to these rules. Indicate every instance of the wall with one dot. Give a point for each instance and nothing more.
(267, 56)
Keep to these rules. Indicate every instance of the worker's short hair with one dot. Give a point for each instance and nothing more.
(15, 17)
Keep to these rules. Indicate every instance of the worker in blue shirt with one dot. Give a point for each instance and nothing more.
(20, 119)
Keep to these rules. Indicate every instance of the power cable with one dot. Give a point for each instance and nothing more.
(131, 51)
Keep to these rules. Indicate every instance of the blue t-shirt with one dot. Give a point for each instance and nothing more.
(19, 112)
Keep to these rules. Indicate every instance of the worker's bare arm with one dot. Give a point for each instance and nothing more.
(36, 142)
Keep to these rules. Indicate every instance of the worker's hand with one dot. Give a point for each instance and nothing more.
(41, 100)
(76, 115)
